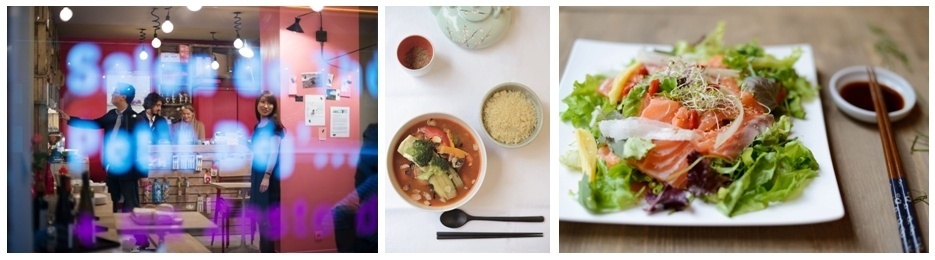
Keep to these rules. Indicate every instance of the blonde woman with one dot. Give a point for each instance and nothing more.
(188, 130)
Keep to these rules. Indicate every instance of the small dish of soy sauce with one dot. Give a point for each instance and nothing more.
(850, 91)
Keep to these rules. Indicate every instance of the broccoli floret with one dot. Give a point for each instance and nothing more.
(440, 162)
(422, 151)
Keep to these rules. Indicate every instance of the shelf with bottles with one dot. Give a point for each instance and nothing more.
(174, 101)
(176, 162)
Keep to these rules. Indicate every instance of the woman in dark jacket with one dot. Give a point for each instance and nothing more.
(264, 178)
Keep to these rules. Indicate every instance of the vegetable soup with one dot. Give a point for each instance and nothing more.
(437, 162)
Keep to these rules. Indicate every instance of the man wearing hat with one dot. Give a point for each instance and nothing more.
(119, 150)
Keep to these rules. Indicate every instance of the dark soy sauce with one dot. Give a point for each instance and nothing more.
(858, 94)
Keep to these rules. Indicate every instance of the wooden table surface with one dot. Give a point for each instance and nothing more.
(176, 243)
(191, 221)
(231, 185)
(840, 38)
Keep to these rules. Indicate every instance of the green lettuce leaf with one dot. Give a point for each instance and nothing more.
(611, 191)
(711, 45)
(583, 100)
(636, 148)
(774, 168)
(572, 159)
(634, 101)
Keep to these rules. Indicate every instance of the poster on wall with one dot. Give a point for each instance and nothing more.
(309, 79)
(346, 86)
(140, 83)
(315, 110)
(333, 94)
(340, 122)
(317, 79)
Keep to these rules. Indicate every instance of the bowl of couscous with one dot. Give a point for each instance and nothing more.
(511, 115)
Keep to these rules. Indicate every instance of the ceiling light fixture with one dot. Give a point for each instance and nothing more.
(194, 8)
(65, 14)
(156, 42)
(246, 51)
(317, 8)
(214, 64)
(168, 26)
(238, 43)
(143, 54)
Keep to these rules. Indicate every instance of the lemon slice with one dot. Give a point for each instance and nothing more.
(621, 80)
(587, 149)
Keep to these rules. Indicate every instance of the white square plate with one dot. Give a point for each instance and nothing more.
(819, 202)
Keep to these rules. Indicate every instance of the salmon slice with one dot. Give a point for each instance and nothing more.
(750, 105)
(667, 162)
(610, 159)
(711, 120)
(686, 118)
(606, 87)
(660, 109)
(716, 61)
(751, 127)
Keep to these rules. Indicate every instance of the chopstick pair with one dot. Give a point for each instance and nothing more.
(478, 235)
(909, 232)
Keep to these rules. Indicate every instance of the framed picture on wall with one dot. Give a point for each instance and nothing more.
(333, 94)
(310, 80)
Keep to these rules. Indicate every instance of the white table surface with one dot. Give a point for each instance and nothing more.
(517, 181)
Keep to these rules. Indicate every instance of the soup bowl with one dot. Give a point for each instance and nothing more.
(440, 129)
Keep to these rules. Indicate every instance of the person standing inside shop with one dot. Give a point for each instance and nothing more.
(264, 178)
(151, 128)
(188, 130)
(152, 120)
(117, 154)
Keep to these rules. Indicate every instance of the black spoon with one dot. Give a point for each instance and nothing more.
(456, 218)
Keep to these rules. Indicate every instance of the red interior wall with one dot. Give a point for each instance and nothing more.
(323, 170)
(93, 105)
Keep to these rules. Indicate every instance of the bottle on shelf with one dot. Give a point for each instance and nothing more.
(157, 191)
(40, 215)
(165, 190)
(199, 163)
(64, 218)
(85, 225)
(40, 207)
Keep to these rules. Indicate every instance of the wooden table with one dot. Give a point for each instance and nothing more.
(191, 221)
(840, 38)
(225, 231)
(106, 217)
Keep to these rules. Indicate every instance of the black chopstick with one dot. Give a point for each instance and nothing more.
(478, 235)
(909, 233)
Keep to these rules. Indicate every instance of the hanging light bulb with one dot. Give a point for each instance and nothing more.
(194, 8)
(168, 26)
(156, 42)
(238, 43)
(214, 64)
(143, 54)
(65, 14)
(317, 8)
(246, 51)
